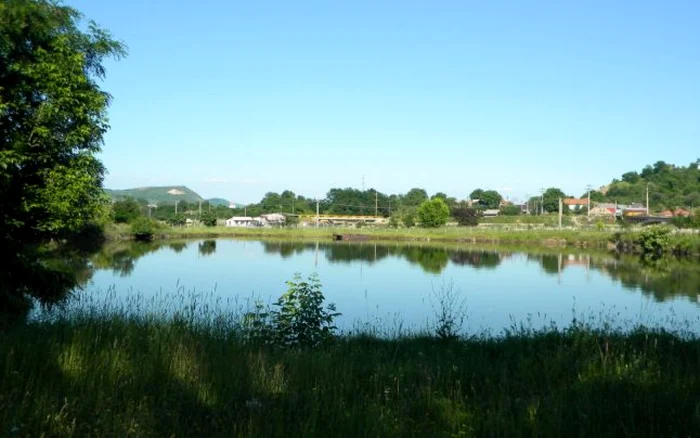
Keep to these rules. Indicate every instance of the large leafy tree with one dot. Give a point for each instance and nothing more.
(433, 213)
(52, 121)
(550, 199)
(487, 198)
(414, 197)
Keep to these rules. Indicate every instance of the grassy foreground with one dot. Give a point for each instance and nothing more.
(126, 377)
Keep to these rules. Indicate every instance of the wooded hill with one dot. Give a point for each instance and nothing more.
(670, 186)
(164, 195)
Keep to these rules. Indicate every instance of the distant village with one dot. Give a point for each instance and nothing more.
(597, 210)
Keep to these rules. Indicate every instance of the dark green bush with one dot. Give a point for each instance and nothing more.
(143, 228)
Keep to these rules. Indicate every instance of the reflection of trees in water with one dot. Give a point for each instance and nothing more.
(431, 259)
(286, 249)
(177, 247)
(477, 259)
(207, 247)
(344, 252)
(551, 264)
(662, 279)
(121, 257)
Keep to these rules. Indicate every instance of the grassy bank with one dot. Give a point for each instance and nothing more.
(121, 377)
(580, 238)
(446, 234)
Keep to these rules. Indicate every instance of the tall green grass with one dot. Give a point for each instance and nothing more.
(191, 371)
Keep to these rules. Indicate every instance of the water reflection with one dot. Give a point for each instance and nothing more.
(207, 247)
(663, 279)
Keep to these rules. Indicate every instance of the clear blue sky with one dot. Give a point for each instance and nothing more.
(237, 98)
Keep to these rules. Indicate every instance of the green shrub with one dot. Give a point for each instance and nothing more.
(143, 228)
(177, 220)
(394, 221)
(408, 219)
(654, 240)
(126, 210)
(466, 216)
(510, 210)
(297, 318)
(433, 213)
(300, 318)
(208, 219)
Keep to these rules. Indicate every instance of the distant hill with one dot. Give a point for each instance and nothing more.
(218, 201)
(670, 186)
(158, 195)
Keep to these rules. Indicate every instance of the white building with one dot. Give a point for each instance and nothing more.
(272, 219)
(240, 221)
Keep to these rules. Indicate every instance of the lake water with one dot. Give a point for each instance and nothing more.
(397, 286)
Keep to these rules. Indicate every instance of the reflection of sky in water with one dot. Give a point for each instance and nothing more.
(368, 290)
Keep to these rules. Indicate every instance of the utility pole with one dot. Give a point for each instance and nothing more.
(541, 201)
(561, 211)
(588, 213)
(376, 204)
(647, 199)
(527, 203)
(317, 218)
(176, 202)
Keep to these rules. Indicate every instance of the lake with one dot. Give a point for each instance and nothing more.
(398, 286)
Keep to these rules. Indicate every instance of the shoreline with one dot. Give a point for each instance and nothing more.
(610, 240)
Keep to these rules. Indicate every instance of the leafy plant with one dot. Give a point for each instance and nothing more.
(394, 221)
(177, 220)
(654, 240)
(510, 210)
(208, 219)
(466, 216)
(408, 218)
(300, 318)
(433, 213)
(144, 228)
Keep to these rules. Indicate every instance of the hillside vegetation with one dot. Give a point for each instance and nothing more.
(670, 186)
(158, 195)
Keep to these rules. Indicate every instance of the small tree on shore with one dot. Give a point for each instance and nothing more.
(208, 219)
(433, 213)
(466, 216)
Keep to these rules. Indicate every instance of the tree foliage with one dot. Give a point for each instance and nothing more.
(510, 210)
(466, 216)
(670, 186)
(550, 199)
(298, 318)
(126, 210)
(52, 121)
(486, 198)
(143, 228)
(208, 219)
(433, 213)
